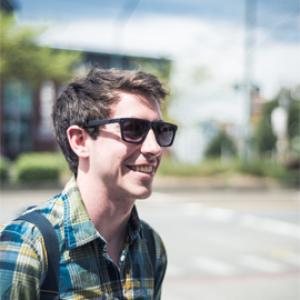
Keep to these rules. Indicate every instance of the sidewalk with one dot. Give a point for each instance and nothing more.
(238, 183)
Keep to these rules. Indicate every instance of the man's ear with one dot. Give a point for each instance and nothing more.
(77, 138)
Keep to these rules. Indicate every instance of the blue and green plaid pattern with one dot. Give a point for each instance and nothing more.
(86, 270)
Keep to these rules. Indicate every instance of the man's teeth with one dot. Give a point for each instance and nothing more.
(144, 169)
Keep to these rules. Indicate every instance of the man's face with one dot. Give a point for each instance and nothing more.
(126, 170)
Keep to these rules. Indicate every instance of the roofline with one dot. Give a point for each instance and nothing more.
(93, 51)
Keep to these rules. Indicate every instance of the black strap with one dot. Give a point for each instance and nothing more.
(49, 287)
(148, 236)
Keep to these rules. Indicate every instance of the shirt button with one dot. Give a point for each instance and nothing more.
(122, 258)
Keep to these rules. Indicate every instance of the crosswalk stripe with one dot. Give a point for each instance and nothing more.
(219, 214)
(293, 259)
(274, 226)
(244, 264)
(214, 266)
(259, 263)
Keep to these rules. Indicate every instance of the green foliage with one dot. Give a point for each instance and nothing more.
(261, 168)
(295, 146)
(22, 58)
(221, 145)
(206, 168)
(162, 71)
(270, 168)
(39, 167)
(217, 168)
(294, 119)
(264, 137)
(169, 167)
(4, 169)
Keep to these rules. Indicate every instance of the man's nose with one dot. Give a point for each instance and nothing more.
(150, 145)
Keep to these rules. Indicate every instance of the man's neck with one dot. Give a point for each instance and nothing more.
(110, 216)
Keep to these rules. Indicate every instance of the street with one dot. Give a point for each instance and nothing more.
(228, 245)
(222, 244)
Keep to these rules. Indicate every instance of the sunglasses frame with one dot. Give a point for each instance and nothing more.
(150, 125)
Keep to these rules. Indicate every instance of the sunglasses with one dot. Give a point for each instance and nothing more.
(135, 130)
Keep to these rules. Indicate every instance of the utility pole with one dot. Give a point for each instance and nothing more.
(250, 22)
(123, 17)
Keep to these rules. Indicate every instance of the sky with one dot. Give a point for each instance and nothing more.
(204, 37)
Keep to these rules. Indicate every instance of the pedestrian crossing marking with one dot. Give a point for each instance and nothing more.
(213, 265)
(244, 264)
(270, 225)
(260, 263)
(250, 221)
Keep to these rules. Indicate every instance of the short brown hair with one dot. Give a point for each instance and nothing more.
(91, 97)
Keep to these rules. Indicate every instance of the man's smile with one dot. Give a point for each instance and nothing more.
(148, 169)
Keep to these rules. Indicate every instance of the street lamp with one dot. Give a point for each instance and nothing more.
(279, 118)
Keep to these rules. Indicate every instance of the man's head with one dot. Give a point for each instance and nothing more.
(93, 96)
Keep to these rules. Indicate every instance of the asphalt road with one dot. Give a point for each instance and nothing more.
(222, 244)
(229, 245)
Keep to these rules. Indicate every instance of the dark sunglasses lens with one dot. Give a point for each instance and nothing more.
(134, 130)
(165, 134)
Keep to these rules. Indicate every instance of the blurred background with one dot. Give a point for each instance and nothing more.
(229, 187)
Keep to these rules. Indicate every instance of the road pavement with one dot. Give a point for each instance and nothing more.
(229, 245)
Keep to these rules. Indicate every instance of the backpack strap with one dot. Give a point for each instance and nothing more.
(148, 236)
(49, 286)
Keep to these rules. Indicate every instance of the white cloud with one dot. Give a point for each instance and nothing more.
(191, 43)
(277, 65)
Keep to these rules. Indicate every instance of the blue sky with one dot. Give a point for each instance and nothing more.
(280, 17)
(187, 31)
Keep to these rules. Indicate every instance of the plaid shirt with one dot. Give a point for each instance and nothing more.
(86, 270)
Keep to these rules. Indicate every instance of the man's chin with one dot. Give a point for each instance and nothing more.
(143, 192)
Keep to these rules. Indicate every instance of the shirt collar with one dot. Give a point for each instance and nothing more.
(134, 226)
(78, 227)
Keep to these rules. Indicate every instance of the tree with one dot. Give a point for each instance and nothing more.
(221, 145)
(161, 70)
(294, 117)
(265, 139)
(22, 58)
(264, 136)
(24, 67)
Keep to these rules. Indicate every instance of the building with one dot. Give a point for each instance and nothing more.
(25, 112)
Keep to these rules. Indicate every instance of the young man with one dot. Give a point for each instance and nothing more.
(110, 129)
